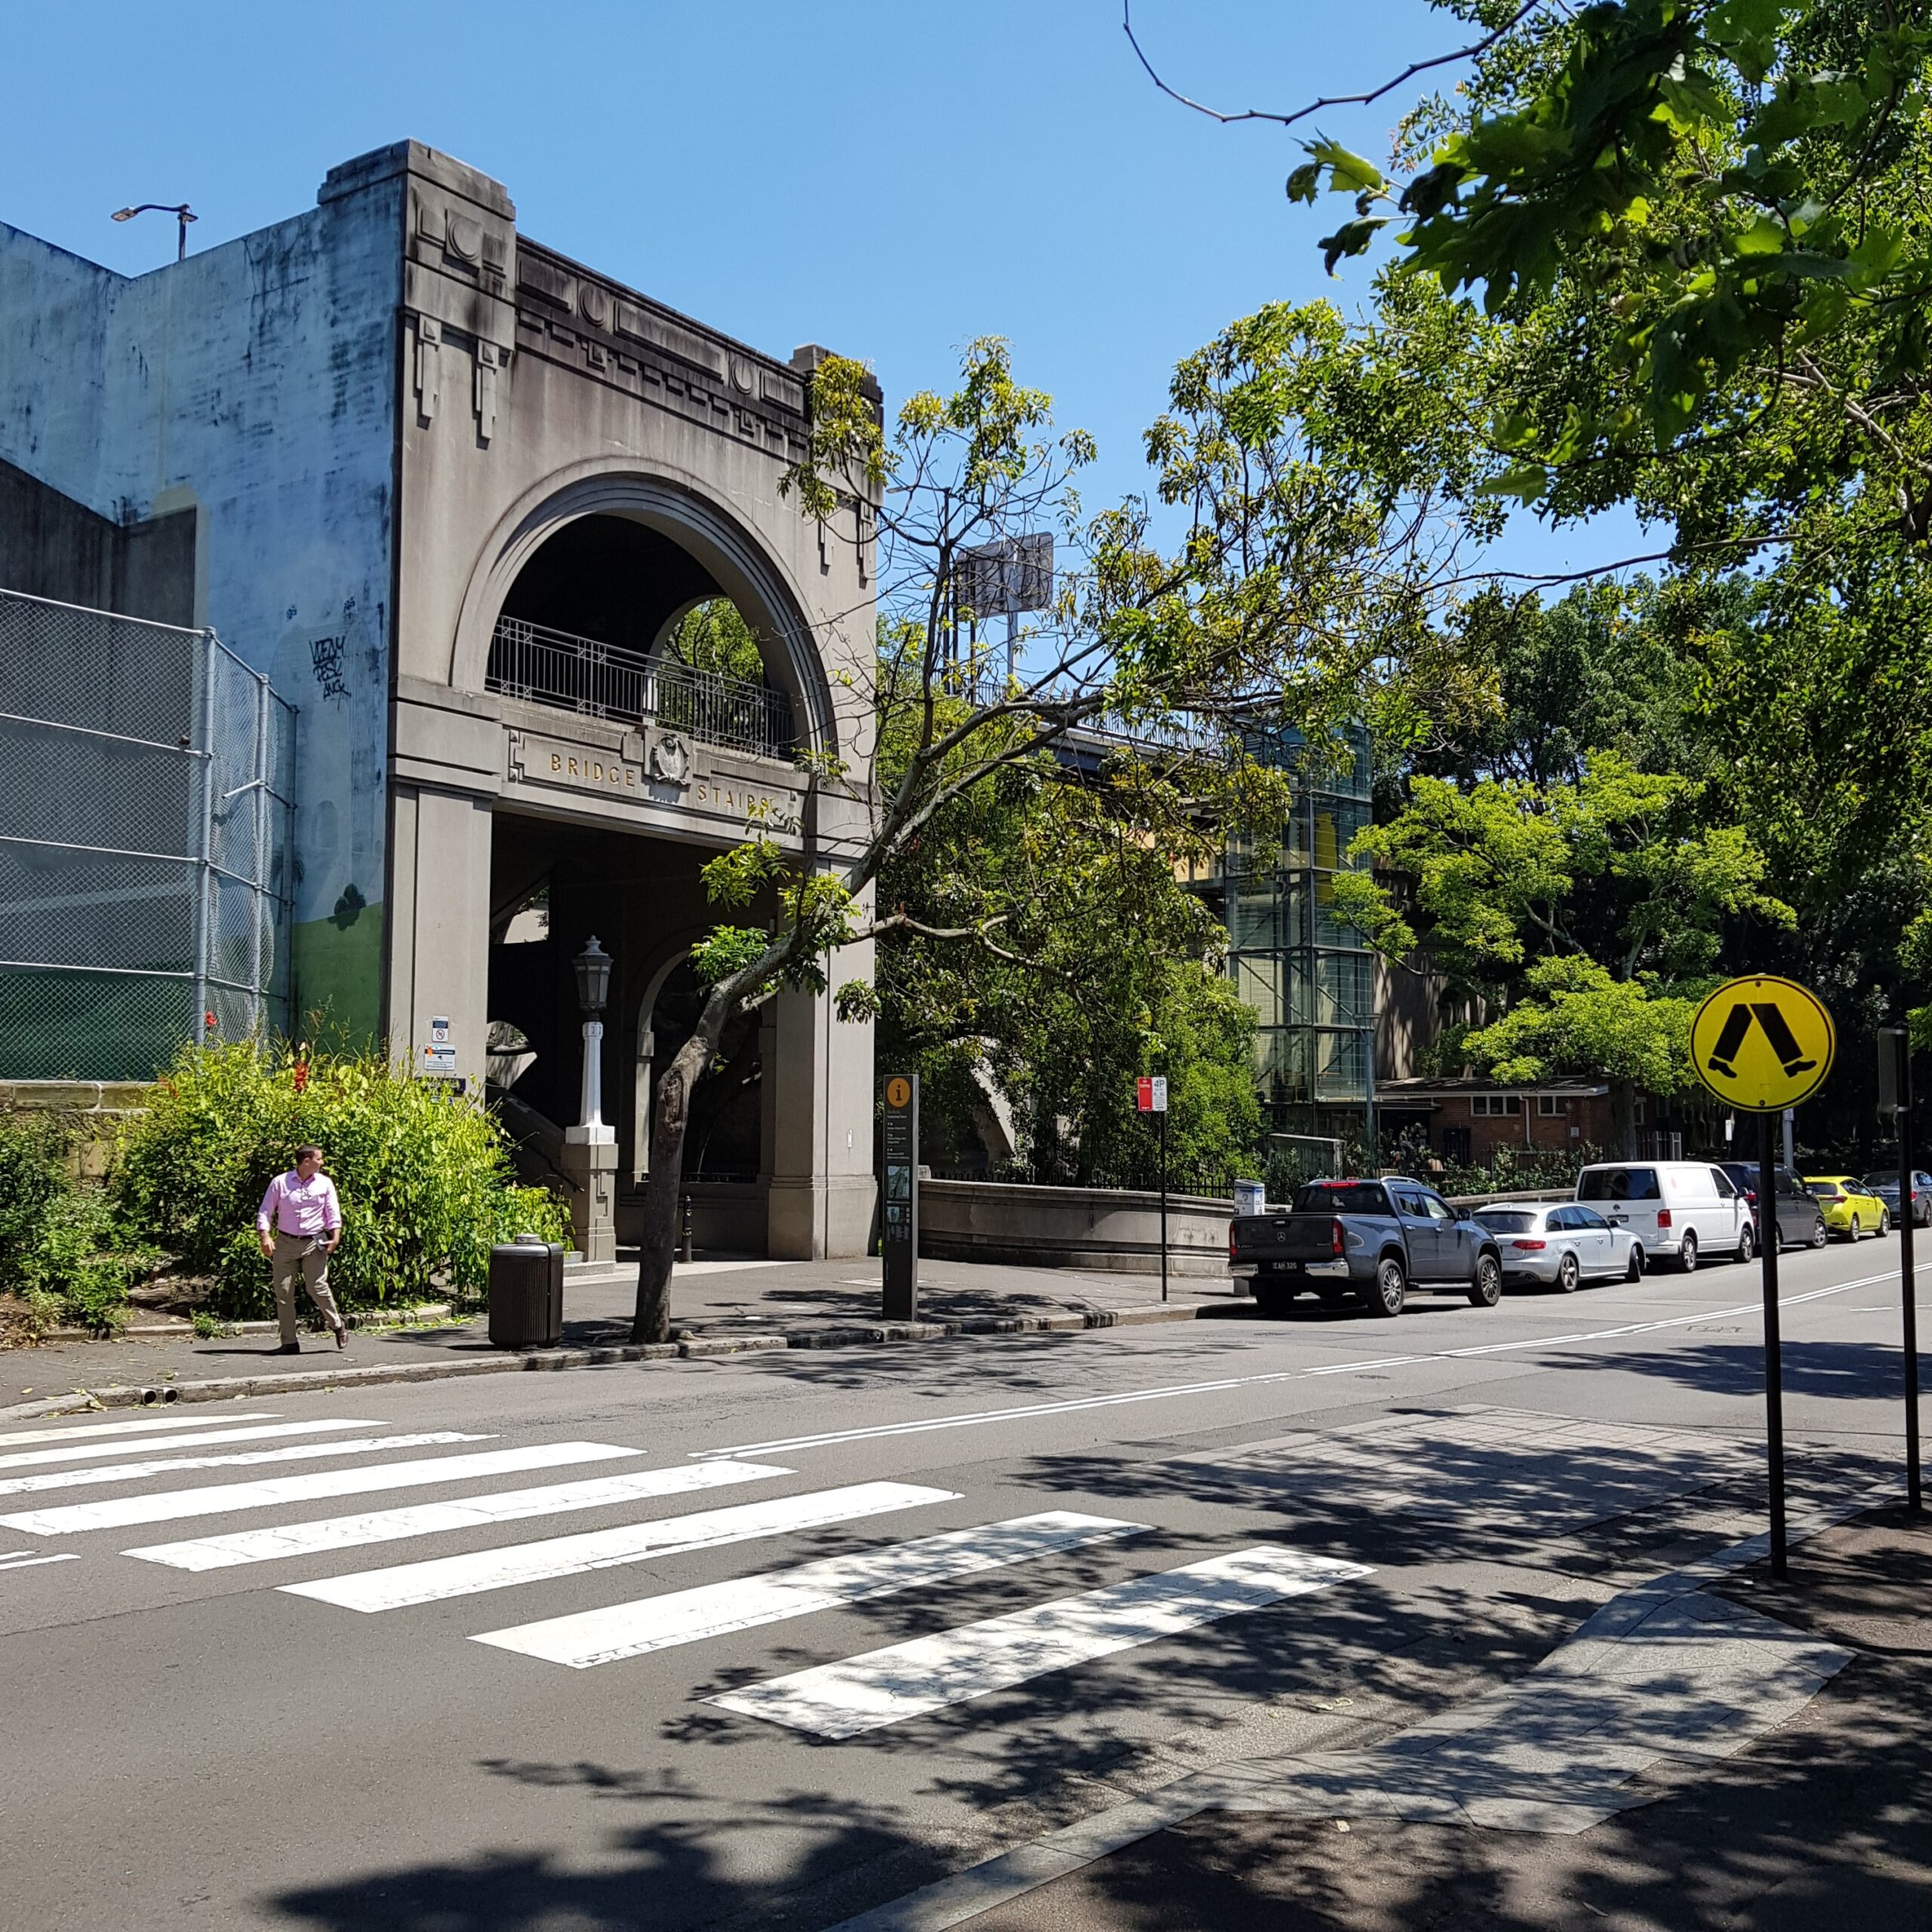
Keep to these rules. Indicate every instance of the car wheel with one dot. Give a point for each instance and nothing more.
(1747, 1243)
(1885, 1222)
(1686, 1258)
(1568, 1274)
(1855, 1229)
(1634, 1272)
(1391, 1288)
(1818, 1234)
(1486, 1290)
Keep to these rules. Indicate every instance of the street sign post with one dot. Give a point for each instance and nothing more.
(1151, 1095)
(1895, 1099)
(899, 1211)
(1762, 1045)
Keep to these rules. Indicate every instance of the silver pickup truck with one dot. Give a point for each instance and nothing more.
(1365, 1240)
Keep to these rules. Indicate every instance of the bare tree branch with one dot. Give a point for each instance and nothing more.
(1409, 73)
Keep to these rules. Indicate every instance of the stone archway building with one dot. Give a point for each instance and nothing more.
(452, 490)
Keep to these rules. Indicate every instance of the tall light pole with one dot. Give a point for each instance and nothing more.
(181, 210)
(593, 988)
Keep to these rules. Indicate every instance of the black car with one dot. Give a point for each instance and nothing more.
(1801, 1222)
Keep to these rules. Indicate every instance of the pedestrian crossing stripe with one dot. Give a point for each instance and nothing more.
(360, 1445)
(221, 1498)
(471, 1512)
(885, 1687)
(437, 1579)
(1762, 1043)
(593, 1637)
(170, 1419)
(34, 1459)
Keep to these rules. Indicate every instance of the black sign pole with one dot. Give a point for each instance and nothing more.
(1901, 1047)
(1164, 1204)
(1768, 1252)
(899, 1217)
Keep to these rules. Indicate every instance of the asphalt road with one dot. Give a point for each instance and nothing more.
(1045, 1574)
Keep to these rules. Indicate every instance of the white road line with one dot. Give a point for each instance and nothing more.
(883, 1686)
(357, 1445)
(164, 1419)
(218, 1499)
(422, 1519)
(34, 1459)
(686, 1617)
(1168, 1391)
(441, 1577)
(24, 1561)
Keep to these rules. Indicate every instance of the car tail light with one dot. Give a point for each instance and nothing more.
(1231, 1241)
(1336, 1237)
(1529, 1243)
(1663, 1217)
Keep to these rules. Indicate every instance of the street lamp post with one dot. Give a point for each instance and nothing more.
(590, 1147)
(181, 210)
(593, 988)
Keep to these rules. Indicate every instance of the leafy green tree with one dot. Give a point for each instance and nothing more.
(1098, 965)
(714, 636)
(1582, 912)
(1293, 585)
(1688, 251)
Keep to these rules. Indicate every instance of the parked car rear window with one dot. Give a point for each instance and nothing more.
(1826, 1190)
(1342, 1197)
(1619, 1184)
(1507, 1221)
(1881, 1180)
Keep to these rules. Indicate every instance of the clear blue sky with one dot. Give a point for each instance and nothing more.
(890, 180)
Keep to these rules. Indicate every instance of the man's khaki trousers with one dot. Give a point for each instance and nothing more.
(302, 1256)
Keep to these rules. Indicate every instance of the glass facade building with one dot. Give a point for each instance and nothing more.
(1309, 977)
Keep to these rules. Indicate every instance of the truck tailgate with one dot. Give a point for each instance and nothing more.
(1283, 1238)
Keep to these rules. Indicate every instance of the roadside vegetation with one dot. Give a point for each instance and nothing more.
(425, 1180)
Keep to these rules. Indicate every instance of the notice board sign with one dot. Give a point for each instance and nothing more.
(899, 1204)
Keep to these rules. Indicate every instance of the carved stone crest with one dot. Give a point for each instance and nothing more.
(670, 759)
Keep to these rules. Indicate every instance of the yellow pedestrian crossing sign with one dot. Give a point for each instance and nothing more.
(1762, 1043)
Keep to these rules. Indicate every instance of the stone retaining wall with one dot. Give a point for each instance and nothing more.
(1093, 1227)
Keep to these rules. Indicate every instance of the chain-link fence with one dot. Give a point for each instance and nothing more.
(146, 843)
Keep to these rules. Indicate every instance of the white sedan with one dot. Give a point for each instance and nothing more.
(1561, 1245)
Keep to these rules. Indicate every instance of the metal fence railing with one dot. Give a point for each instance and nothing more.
(146, 843)
(599, 679)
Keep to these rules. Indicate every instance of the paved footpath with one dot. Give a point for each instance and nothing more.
(717, 1304)
(1112, 1628)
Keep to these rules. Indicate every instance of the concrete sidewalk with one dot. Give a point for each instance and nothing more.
(717, 1304)
(1807, 1805)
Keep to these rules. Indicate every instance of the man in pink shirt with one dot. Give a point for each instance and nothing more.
(298, 1225)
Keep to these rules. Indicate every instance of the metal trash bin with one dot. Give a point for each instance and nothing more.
(526, 1293)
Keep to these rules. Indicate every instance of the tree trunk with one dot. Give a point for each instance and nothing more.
(671, 1118)
(1623, 1120)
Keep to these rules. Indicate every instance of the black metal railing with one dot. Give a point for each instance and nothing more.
(599, 679)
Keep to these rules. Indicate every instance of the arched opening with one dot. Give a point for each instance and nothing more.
(611, 618)
(725, 1140)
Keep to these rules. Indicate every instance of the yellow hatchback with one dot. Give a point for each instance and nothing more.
(1850, 1208)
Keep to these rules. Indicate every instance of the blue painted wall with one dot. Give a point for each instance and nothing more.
(258, 382)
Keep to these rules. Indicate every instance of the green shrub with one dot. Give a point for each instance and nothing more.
(425, 1174)
(33, 1174)
(61, 1249)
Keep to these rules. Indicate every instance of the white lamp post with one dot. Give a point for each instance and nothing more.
(593, 988)
(590, 1147)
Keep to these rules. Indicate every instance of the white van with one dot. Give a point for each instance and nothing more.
(1678, 1210)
